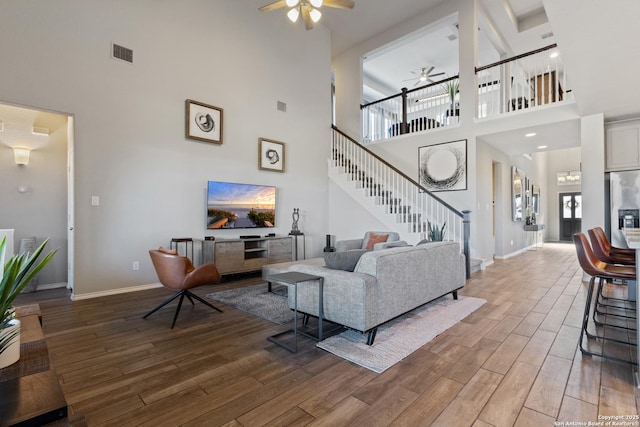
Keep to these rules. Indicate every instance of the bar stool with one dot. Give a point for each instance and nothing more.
(603, 250)
(603, 271)
(610, 254)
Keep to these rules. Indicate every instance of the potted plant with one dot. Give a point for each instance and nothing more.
(436, 234)
(15, 274)
(452, 87)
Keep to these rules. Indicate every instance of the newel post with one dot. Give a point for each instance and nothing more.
(405, 126)
(466, 221)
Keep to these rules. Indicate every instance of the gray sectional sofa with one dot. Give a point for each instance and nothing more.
(384, 284)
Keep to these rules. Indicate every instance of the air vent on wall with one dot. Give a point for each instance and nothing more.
(546, 35)
(121, 52)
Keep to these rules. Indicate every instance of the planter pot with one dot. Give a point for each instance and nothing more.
(11, 354)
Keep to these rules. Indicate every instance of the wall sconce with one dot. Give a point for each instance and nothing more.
(21, 155)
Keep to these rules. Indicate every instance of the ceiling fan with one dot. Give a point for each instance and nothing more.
(424, 76)
(309, 9)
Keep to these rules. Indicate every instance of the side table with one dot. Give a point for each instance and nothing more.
(294, 278)
(186, 241)
(535, 228)
(295, 245)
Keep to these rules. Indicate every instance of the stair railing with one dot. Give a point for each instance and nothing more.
(410, 202)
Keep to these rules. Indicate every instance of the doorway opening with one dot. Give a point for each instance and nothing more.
(38, 194)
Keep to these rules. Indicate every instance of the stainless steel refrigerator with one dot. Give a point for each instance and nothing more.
(624, 201)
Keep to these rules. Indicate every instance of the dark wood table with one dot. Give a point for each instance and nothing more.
(29, 389)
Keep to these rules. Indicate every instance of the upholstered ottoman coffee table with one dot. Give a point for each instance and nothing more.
(283, 267)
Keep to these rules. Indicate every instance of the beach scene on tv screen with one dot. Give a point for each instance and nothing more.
(232, 205)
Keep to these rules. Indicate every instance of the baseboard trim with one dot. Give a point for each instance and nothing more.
(48, 286)
(512, 254)
(76, 297)
(486, 263)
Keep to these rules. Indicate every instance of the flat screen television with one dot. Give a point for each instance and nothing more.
(234, 205)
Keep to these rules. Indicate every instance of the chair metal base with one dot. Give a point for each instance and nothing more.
(584, 331)
(180, 294)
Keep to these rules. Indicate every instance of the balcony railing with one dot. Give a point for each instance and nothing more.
(423, 108)
(532, 79)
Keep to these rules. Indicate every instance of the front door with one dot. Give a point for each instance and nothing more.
(570, 215)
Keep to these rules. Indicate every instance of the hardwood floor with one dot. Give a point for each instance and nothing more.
(513, 362)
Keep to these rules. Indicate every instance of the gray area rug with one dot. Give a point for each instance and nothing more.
(400, 337)
(256, 300)
(394, 341)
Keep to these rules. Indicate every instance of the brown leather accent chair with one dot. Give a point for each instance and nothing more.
(177, 273)
(610, 254)
(595, 268)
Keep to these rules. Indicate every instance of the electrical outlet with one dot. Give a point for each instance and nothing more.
(136, 265)
(512, 243)
(95, 201)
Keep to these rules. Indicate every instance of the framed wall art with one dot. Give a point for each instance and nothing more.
(203, 122)
(443, 167)
(270, 155)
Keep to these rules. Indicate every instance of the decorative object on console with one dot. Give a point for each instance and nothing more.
(443, 167)
(270, 155)
(234, 205)
(203, 122)
(294, 227)
(329, 245)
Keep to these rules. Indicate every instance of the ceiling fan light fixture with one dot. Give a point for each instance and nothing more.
(292, 3)
(293, 15)
(316, 3)
(315, 15)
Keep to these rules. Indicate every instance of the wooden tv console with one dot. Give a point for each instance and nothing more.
(245, 255)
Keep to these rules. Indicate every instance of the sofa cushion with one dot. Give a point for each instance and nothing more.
(375, 238)
(343, 260)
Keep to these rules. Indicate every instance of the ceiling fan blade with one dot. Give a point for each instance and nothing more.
(340, 4)
(306, 17)
(273, 6)
(410, 80)
(430, 69)
(436, 74)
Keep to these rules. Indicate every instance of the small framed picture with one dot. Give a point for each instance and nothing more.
(270, 155)
(203, 122)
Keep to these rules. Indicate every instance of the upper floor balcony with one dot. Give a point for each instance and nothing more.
(532, 80)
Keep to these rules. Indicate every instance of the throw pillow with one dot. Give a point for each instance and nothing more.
(167, 251)
(375, 238)
(346, 260)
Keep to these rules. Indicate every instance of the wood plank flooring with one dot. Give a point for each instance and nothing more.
(514, 362)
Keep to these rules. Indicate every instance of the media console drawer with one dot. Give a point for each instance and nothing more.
(245, 255)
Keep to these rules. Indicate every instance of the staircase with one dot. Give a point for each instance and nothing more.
(392, 197)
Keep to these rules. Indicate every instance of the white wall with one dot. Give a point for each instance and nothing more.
(41, 211)
(130, 148)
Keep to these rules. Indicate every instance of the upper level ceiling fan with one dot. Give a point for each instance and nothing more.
(424, 76)
(309, 9)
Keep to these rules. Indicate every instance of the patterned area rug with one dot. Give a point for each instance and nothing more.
(400, 337)
(258, 301)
